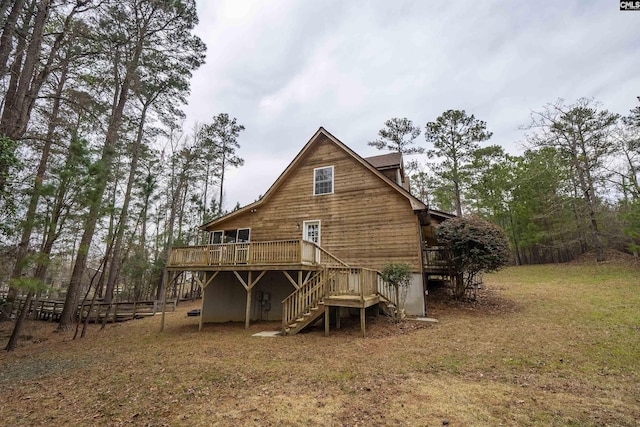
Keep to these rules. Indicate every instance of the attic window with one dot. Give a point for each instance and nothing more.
(323, 180)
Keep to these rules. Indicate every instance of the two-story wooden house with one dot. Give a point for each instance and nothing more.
(316, 242)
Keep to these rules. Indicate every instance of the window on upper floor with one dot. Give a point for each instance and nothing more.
(323, 180)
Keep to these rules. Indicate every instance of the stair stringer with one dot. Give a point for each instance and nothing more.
(305, 320)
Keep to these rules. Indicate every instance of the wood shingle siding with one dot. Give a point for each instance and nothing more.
(365, 222)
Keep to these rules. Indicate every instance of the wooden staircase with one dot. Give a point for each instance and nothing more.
(305, 320)
(336, 284)
(304, 306)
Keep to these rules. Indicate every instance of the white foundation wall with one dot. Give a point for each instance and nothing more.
(225, 299)
(414, 305)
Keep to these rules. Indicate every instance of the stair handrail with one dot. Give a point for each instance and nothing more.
(338, 261)
(307, 296)
(386, 290)
(292, 304)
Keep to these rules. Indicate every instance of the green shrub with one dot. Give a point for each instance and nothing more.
(398, 275)
(477, 246)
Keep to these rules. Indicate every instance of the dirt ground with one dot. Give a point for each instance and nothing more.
(543, 345)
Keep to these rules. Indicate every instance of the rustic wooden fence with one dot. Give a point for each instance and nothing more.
(114, 312)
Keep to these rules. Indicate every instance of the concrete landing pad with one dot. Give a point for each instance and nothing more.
(267, 334)
(424, 319)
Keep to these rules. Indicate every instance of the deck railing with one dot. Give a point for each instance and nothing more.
(387, 291)
(272, 252)
(326, 258)
(353, 281)
(332, 281)
(253, 253)
(437, 258)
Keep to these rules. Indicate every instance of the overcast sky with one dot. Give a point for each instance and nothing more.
(285, 68)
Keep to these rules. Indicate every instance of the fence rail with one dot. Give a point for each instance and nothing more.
(116, 311)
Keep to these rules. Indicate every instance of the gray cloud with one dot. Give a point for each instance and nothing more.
(284, 68)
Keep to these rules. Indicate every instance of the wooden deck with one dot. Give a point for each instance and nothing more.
(331, 283)
(351, 301)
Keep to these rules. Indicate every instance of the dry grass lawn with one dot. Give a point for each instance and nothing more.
(551, 345)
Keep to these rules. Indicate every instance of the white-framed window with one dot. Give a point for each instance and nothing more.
(240, 235)
(215, 237)
(243, 235)
(323, 180)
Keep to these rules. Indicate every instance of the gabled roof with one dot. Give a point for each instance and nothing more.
(385, 161)
(416, 204)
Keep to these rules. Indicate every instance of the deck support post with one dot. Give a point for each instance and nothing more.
(338, 313)
(326, 320)
(248, 285)
(248, 312)
(362, 321)
(208, 278)
(164, 298)
(247, 316)
(201, 312)
(202, 301)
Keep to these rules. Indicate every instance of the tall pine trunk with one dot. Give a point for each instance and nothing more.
(116, 262)
(108, 153)
(12, 124)
(8, 30)
(23, 246)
